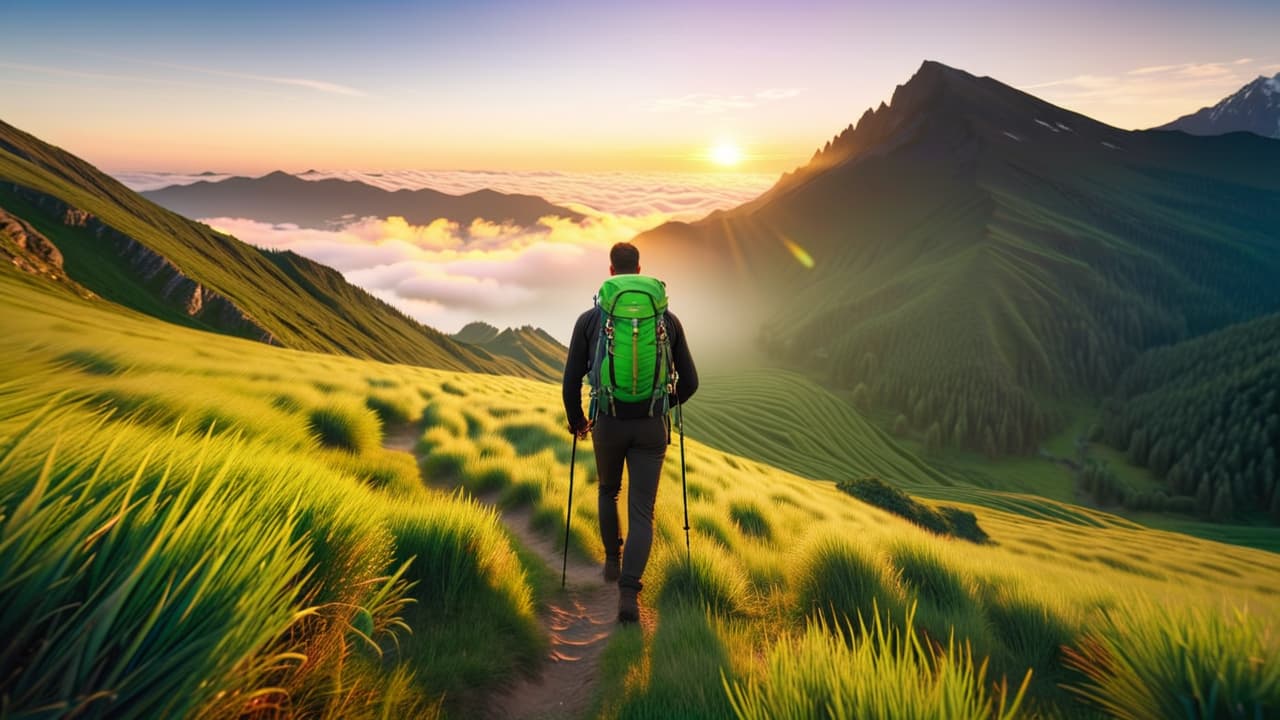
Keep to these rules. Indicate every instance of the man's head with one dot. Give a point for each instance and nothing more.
(624, 259)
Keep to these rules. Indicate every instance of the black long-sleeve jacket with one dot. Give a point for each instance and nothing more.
(585, 332)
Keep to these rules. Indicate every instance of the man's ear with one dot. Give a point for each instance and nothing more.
(612, 271)
(639, 269)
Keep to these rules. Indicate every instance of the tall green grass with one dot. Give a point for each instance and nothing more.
(379, 544)
(885, 673)
(1146, 661)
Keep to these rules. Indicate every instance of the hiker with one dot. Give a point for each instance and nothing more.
(629, 402)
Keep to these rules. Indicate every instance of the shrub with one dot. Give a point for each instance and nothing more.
(943, 520)
(346, 427)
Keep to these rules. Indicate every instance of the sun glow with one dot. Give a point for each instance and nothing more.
(725, 154)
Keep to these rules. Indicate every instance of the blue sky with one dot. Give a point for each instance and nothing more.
(573, 85)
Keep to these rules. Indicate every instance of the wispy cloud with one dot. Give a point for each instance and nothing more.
(710, 103)
(114, 77)
(310, 84)
(1160, 92)
(270, 79)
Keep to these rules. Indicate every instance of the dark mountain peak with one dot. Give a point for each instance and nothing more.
(476, 333)
(278, 176)
(1253, 108)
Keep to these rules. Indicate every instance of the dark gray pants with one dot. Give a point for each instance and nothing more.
(642, 444)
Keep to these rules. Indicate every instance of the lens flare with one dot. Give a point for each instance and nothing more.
(801, 255)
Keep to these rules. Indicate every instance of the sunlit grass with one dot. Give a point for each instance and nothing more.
(236, 463)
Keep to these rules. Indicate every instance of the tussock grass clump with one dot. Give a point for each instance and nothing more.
(679, 672)
(1033, 633)
(255, 540)
(471, 592)
(446, 461)
(841, 580)
(714, 580)
(887, 672)
(709, 526)
(91, 362)
(485, 475)
(521, 493)
(394, 408)
(925, 573)
(529, 438)
(1150, 661)
(698, 491)
(149, 408)
(346, 427)
(453, 389)
(446, 416)
(751, 520)
(394, 472)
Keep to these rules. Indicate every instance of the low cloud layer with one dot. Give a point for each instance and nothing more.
(683, 196)
(446, 275)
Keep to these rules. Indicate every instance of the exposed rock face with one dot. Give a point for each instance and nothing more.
(153, 269)
(31, 252)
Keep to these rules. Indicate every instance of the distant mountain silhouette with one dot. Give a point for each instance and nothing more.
(1254, 108)
(279, 197)
(64, 220)
(969, 256)
(532, 347)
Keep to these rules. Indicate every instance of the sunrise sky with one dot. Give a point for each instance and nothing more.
(574, 85)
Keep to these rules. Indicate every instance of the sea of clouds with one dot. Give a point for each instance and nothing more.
(446, 275)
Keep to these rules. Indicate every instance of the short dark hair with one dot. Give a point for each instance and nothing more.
(625, 258)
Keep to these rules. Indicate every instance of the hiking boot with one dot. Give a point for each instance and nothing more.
(612, 568)
(628, 604)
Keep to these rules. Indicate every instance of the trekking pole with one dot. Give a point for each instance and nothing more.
(568, 512)
(684, 489)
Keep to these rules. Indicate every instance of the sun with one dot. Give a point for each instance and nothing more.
(725, 154)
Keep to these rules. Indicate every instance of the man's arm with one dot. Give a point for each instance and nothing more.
(687, 385)
(575, 368)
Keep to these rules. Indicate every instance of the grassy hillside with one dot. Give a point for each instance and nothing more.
(130, 251)
(532, 347)
(970, 256)
(269, 539)
(784, 419)
(1204, 417)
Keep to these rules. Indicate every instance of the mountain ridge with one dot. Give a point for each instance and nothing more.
(1254, 108)
(129, 251)
(969, 235)
(279, 197)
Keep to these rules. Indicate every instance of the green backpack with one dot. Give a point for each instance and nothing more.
(632, 359)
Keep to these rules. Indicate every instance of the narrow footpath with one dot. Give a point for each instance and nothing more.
(578, 621)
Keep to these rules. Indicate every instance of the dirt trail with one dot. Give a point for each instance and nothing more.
(579, 621)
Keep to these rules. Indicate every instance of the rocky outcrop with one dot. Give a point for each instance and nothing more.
(31, 252)
(152, 269)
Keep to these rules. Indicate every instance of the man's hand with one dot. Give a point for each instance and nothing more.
(583, 430)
